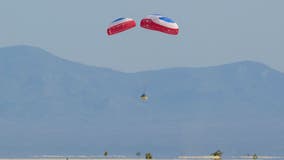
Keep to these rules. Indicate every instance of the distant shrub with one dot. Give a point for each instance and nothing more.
(217, 155)
(148, 156)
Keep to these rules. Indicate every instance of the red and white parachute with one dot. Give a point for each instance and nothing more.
(120, 25)
(154, 22)
(160, 23)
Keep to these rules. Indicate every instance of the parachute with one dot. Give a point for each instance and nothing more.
(120, 25)
(160, 23)
(154, 22)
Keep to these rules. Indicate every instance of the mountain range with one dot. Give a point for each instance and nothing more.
(53, 106)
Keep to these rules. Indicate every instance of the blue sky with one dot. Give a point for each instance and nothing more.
(211, 32)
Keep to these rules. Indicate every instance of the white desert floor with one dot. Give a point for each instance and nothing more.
(126, 158)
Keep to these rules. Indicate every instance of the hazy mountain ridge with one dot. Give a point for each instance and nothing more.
(49, 105)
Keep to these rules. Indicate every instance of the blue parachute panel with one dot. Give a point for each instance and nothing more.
(166, 19)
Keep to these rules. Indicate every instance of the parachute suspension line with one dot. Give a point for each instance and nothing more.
(144, 96)
(159, 23)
